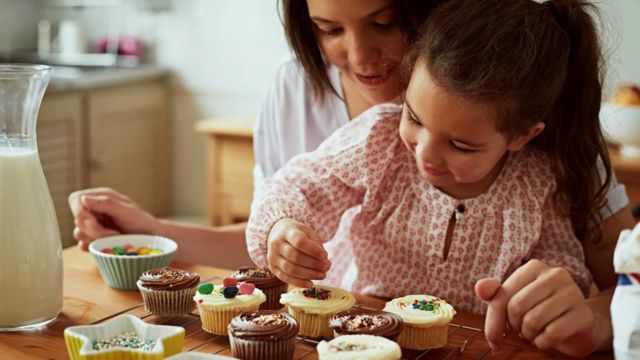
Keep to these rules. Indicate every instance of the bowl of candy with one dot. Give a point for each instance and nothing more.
(620, 120)
(122, 259)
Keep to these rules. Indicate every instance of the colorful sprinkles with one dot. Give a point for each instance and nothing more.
(256, 273)
(130, 250)
(127, 340)
(345, 346)
(317, 293)
(426, 305)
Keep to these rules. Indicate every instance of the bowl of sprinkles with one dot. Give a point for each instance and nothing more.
(124, 337)
(122, 259)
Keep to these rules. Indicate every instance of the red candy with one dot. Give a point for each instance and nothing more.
(127, 247)
(229, 282)
(107, 251)
(246, 288)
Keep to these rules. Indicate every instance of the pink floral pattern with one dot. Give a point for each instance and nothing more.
(396, 222)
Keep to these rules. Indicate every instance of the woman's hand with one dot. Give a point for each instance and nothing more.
(542, 304)
(104, 212)
(295, 253)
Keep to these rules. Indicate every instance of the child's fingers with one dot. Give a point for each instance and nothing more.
(95, 230)
(288, 252)
(297, 271)
(83, 239)
(303, 243)
(289, 279)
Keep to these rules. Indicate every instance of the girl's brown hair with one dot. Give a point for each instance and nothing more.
(299, 30)
(537, 62)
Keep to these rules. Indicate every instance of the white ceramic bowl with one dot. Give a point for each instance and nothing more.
(621, 125)
(122, 271)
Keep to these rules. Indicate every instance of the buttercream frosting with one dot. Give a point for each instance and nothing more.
(318, 300)
(421, 310)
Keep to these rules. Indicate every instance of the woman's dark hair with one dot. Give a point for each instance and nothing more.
(299, 30)
(537, 62)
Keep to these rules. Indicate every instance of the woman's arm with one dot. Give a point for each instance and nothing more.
(599, 255)
(222, 246)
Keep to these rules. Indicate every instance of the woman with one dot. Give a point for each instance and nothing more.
(348, 54)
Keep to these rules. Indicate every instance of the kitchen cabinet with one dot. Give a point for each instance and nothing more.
(230, 162)
(115, 136)
(128, 142)
(59, 132)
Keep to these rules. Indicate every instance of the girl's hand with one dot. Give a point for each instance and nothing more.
(104, 212)
(542, 304)
(295, 253)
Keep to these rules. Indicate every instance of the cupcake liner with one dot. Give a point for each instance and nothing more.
(273, 297)
(168, 302)
(312, 325)
(216, 321)
(423, 338)
(262, 350)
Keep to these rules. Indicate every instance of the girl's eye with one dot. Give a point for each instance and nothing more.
(384, 25)
(413, 120)
(461, 150)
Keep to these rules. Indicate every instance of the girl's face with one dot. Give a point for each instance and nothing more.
(362, 38)
(454, 140)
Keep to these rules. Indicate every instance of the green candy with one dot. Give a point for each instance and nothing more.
(119, 250)
(205, 289)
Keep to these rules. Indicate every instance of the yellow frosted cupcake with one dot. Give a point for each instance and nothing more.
(218, 304)
(359, 347)
(313, 308)
(426, 320)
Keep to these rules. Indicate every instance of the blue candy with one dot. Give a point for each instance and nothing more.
(230, 292)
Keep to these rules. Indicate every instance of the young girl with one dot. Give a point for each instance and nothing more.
(488, 165)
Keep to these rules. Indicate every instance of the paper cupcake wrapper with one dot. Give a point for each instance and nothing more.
(168, 302)
(262, 350)
(122, 272)
(423, 338)
(312, 325)
(273, 297)
(216, 321)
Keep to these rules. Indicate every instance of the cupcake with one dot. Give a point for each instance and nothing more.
(264, 280)
(263, 335)
(359, 347)
(313, 308)
(366, 322)
(167, 291)
(218, 304)
(426, 319)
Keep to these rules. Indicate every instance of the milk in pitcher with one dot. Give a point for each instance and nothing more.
(30, 267)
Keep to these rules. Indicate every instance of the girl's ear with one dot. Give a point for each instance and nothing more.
(521, 140)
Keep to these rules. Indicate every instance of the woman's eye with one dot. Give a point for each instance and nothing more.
(460, 149)
(330, 32)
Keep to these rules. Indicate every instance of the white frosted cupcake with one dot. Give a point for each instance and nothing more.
(218, 304)
(426, 320)
(313, 308)
(359, 347)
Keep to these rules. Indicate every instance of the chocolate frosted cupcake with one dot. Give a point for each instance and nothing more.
(263, 335)
(264, 280)
(167, 291)
(366, 322)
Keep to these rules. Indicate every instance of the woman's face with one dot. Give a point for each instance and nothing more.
(454, 140)
(363, 39)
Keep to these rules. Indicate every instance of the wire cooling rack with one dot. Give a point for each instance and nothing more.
(464, 342)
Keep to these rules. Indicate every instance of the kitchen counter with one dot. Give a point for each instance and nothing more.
(71, 78)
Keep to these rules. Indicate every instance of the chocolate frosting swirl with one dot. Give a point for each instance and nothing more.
(366, 321)
(261, 278)
(167, 278)
(264, 325)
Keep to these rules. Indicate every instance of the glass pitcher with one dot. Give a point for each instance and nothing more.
(30, 248)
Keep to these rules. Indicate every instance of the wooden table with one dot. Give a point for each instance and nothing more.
(88, 300)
